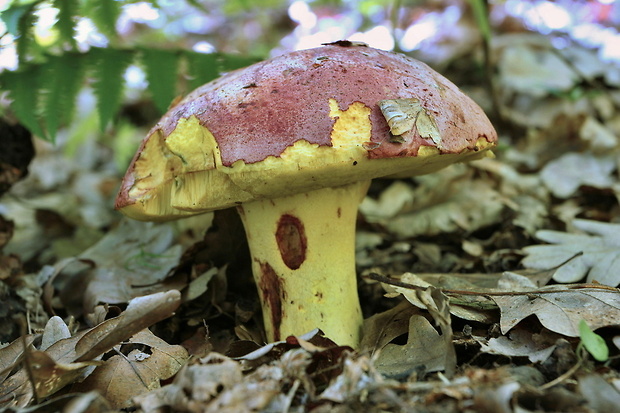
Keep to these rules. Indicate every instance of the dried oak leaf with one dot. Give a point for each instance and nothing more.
(123, 377)
(595, 252)
(560, 309)
(425, 349)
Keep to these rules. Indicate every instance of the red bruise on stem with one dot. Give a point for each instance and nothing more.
(273, 293)
(292, 242)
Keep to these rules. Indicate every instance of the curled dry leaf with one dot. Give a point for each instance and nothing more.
(141, 313)
(133, 254)
(11, 354)
(532, 71)
(520, 343)
(68, 359)
(457, 206)
(466, 306)
(594, 252)
(49, 376)
(122, 377)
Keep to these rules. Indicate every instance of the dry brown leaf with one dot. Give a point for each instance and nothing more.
(520, 343)
(12, 353)
(141, 313)
(195, 385)
(470, 206)
(465, 306)
(50, 376)
(62, 363)
(425, 350)
(380, 329)
(593, 251)
(132, 255)
(560, 308)
(123, 377)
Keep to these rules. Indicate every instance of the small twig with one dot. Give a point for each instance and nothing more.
(563, 377)
(398, 283)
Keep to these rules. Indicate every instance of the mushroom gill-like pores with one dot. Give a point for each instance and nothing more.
(292, 143)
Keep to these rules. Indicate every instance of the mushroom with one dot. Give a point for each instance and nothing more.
(293, 143)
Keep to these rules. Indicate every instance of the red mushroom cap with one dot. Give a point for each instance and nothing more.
(333, 98)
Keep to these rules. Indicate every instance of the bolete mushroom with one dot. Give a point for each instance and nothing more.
(292, 143)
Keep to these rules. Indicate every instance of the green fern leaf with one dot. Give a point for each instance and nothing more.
(109, 66)
(60, 85)
(67, 12)
(230, 62)
(104, 14)
(23, 88)
(25, 27)
(201, 67)
(161, 73)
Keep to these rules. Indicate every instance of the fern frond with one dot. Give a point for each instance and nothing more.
(104, 14)
(23, 88)
(230, 62)
(67, 12)
(25, 28)
(60, 84)
(161, 73)
(201, 67)
(108, 68)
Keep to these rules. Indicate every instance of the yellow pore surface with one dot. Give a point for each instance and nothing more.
(183, 174)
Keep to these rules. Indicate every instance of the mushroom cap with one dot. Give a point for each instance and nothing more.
(305, 120)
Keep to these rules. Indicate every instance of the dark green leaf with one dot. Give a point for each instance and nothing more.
(161, 73)
(23, 88)
(25, 28)
(109, 66)
(60, 85)
(104, 14)
(67, 12)
(202, 68)
(230, 62)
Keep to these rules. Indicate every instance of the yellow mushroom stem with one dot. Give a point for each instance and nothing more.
(303, 259)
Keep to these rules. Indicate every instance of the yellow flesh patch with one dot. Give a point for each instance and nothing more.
(174, 179)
